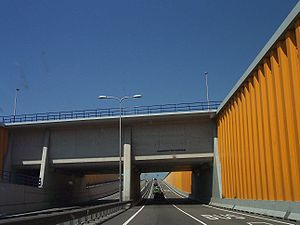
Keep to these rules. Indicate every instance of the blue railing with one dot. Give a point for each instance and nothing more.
(138, 110)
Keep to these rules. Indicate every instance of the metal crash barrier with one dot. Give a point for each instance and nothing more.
(95, 214)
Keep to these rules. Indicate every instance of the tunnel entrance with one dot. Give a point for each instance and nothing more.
(182, 186)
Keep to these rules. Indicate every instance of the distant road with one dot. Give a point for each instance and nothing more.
(176, 210)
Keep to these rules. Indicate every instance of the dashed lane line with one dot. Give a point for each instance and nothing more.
(189, 215)
(134, 215)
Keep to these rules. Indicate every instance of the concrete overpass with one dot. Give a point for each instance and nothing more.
(255, 145)
(157, 141)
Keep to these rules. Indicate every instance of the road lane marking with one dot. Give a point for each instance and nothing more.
(256, 217)
(134, 215)
(253, 223)
(194, 218)
(222, 217)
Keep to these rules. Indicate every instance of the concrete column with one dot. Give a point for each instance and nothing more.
(202, 183)
(44, 158)
(217, 179)
(127, 172)
(8, 157)
(135, 185)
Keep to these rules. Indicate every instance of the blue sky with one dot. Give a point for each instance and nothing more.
(63, 54)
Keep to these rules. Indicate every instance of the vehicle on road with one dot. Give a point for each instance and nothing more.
(157, 193)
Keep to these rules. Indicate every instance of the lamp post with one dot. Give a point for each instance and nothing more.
(120, 100)
(15, 101)
(206, 84)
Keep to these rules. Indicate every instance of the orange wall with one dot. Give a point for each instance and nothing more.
(259, 128)
(180, 180)
(3, 145)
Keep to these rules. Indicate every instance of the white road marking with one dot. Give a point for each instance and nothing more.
(194, 218)
(222, 217)
(256, 217)
(252, 223)
(134, 215)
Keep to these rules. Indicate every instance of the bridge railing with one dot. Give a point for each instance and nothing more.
(137, 110)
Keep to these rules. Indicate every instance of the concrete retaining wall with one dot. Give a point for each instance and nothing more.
(19, 198)
(280, 209)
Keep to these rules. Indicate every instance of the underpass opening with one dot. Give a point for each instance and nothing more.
(185, 185)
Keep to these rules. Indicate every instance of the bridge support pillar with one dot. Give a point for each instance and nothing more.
(127, 172)
(217, 181)
(135, 185)
(202, 183)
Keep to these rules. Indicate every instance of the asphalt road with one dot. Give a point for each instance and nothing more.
(176, 210)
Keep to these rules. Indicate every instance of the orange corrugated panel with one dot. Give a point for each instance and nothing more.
(234, 155)
(275, 100)
(230, 153)
(226, 156)
(293, 107)
(221, 147)
(236, 151)
(233, 149)
(259, 128)
(251, 140)
(253, 89)
(284, 120)
(246, 141)
(266, 130)
(297, 78)
(260, 134)
(186, 181)
(240, 148)
(226, 168)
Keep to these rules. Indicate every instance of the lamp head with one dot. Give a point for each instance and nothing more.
(102, 97)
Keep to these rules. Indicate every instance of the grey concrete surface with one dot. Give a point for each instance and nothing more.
(173, 142)
(148, 136)
(19, 198)
(281, 209)
(176, 210)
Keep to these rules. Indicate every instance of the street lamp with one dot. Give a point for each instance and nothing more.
(120, 100)
(15, 101)
(206, 84)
